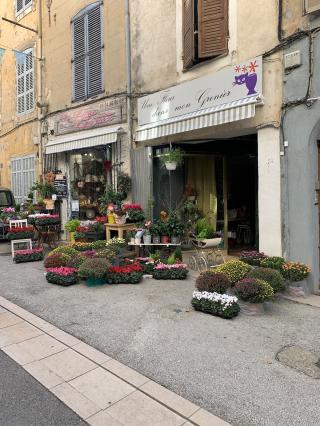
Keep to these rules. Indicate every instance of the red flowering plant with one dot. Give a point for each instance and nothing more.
(20, 233)
(63, 275)
(101, 219)
(134, 212)
(80, 232)
(32, 255)
(43, 219)
(127, 274)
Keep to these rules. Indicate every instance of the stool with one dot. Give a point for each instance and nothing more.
(244, 234)
(26, 241)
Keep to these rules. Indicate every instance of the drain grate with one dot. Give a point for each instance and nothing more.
(300, 359)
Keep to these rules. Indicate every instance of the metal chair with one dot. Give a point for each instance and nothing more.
(19, 223)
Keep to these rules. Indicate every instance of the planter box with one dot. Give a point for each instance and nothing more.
(94, 282)
(215, 309)
(298, 288)
(53, 278)
(120, 278)
(32, 257)
(170, 274)
(20, 235)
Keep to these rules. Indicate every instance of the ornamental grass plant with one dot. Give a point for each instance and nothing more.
(271, 276)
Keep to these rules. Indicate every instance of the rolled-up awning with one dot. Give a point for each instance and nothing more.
(85, 139)
(221, 114)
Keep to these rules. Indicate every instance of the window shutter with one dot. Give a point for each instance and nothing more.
(188, 32)
(312, 5)
(94, 52)
(79, 58)
(213, 27)
(27, 2)
(20, 86)
(29, 81)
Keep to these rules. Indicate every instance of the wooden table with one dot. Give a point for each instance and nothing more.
(119, 228)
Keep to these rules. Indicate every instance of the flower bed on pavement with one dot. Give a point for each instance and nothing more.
(129, 274)
(221, 305)
(33, 255)
(62, 276)
(177, 271)
(20, 233)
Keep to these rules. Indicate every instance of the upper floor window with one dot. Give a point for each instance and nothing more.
(87, 52)
(205, 30)
(311, 6)
(22, 5)
(25, 81)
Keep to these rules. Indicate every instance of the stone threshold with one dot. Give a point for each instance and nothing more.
(101, 390)
(312, 300)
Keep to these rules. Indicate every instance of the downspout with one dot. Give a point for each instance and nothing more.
(129, 74)
(280, 16)
(39, 85)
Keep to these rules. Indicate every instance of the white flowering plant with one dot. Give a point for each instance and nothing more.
(221, 305)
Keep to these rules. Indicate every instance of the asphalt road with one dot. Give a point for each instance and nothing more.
(24, 402)
(226, 366)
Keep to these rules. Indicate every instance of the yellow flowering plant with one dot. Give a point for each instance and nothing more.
(295, 271)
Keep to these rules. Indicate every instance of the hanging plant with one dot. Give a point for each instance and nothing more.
(172, 159)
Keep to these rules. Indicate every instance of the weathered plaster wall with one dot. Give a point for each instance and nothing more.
(57, 44)
(16, 132)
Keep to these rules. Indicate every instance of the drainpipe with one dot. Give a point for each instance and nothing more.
(280, 16)
(39, 87)
(129, 74)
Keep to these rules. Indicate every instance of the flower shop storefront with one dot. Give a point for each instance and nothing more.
(229, 172)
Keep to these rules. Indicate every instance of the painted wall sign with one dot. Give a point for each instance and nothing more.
(228, 85)
(104, 113)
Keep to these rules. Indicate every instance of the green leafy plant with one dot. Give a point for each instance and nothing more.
(273, 262)
(295, 271)
(175, 225)
(172, 156)
(253, 290)
(72, 225)
(178, 254)
(271, 276)
(235, 270)
(203, 229)
(213, 282)
(124, 184)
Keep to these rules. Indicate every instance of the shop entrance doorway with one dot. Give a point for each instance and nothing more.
(220, 178)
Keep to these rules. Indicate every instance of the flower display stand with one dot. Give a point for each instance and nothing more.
(120, 229)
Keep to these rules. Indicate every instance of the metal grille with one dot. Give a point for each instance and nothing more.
(141, 173)
(22, 176)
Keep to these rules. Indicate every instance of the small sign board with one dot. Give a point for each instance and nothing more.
(61, 186)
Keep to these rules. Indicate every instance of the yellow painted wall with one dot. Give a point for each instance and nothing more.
(57, 45)
(16, 132)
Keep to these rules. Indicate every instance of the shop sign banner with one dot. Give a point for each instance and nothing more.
(104, 113)
(231, 84)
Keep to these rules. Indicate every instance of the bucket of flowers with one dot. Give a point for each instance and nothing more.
(62, 275)
(20, 233)
(177, 271)
(21, 256)
(296, 273)
(134, 213)
(128, 274)
(94, 271)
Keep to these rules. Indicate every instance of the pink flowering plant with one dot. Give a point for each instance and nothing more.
(33, 255)
(177, 271)
(62, 275)
(7, 213)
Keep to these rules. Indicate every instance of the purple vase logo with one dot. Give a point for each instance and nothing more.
(248, 77)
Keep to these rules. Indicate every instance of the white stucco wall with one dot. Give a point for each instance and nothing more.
(269, 194)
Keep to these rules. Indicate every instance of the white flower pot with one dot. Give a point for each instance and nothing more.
(137, 241)
(172, 165)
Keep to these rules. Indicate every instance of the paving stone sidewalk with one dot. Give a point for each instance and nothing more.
(99, 389)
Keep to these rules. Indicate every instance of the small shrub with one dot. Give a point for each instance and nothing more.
(271, 276)
(178, 254)
(56, 260)
(213, 282)
(253, 258)
(295, 271)
(94, 268)
(253, 290)
(273, 262)
(76, 261)
(221, 305)
(65, 250)
(235, 270)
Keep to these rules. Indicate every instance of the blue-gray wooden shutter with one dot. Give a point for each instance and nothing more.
(25, 82)
(94, 26)
(19, 6)
(141, 175)
(79, 58)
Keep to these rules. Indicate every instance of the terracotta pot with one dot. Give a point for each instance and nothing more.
(165, 239)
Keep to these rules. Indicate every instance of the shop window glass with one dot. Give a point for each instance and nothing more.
(90, 173)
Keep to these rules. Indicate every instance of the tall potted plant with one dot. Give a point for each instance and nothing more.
(71, 227)
(164, 232)
(172, 159)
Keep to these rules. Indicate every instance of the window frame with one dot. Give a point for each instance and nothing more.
(84, 13)
(25, 75)
(19, 177)
(308, 11)
(24, 6)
